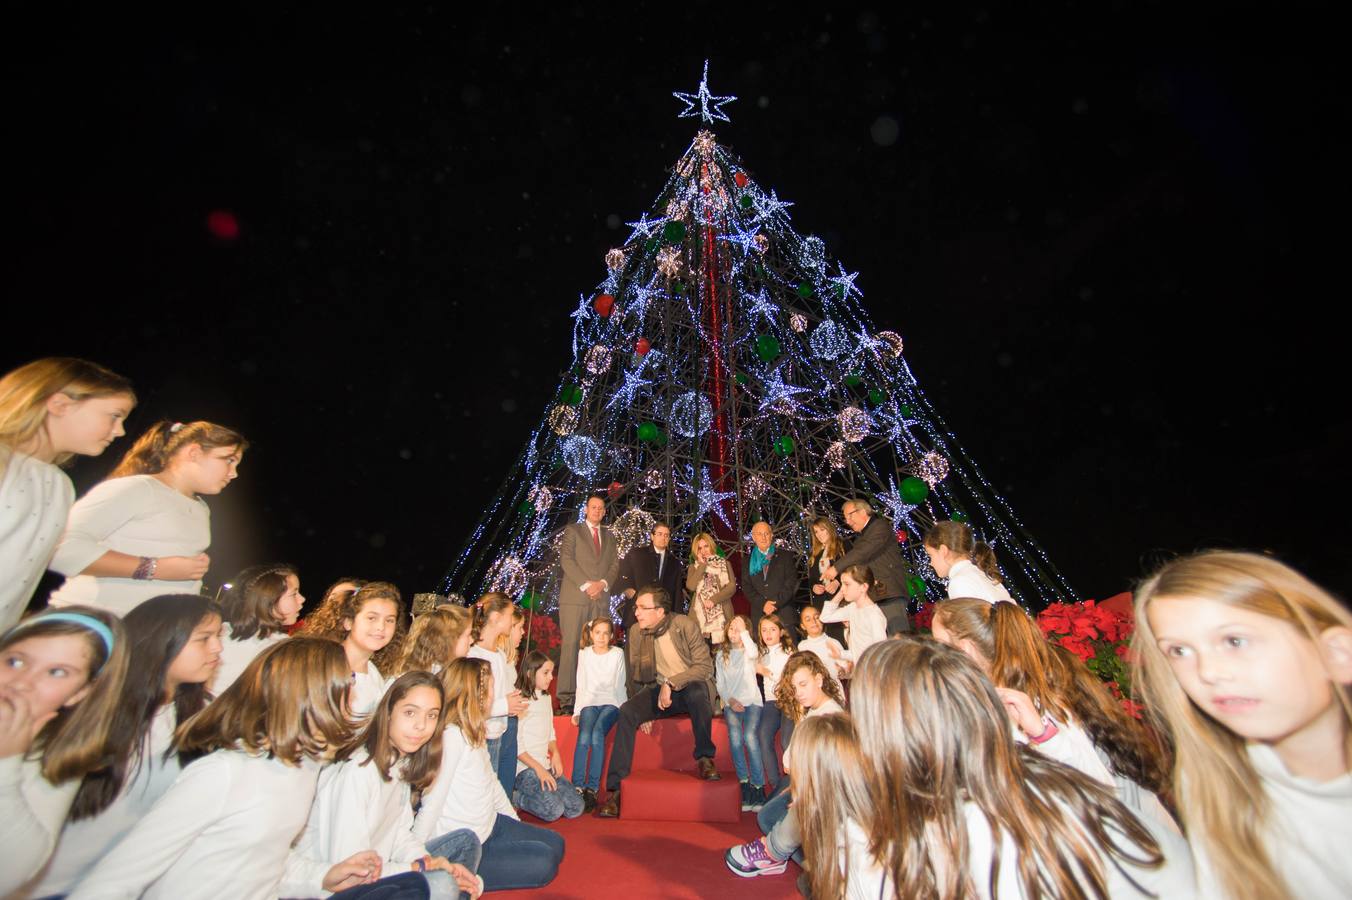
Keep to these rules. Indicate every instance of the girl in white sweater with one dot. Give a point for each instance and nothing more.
(467, 793)
(61, 674)
(50, 411)
(540, 788)
(864, 622)
(776, 646)
(227, 824)
(369, 621)
(968, 564)
(175, 647)
(735, 679)
(494, 626)
(601, 691)
(1247, 664)
(259, 605)
(364, 801)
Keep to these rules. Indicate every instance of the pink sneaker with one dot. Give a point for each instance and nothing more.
(752, 859)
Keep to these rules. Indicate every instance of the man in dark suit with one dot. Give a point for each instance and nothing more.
(876, 547)
(650, 564)
(770, 579)
(590, 564)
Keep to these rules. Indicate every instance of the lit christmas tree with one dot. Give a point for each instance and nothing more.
(724, 373)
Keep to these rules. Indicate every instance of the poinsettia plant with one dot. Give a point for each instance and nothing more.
(1099, 636)
(542, 633)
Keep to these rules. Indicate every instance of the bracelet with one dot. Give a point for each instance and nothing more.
(1049, 731)
(420, 864)
(145, 569)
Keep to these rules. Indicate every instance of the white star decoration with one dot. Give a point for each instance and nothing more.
(710, 106)
(742, 237)
(778, 396)
(768, 207)
(762, 305)
(707, 497)
(644, 226)
(845, 280)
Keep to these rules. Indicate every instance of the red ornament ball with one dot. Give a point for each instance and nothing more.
(615, 489)
(642, 346)
(741, 179)
(222, 224)
(902, 536)
(604, 305)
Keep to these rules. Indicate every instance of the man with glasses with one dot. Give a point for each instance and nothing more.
(876, 547)
(670, 673)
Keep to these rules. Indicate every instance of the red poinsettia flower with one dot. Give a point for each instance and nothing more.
(1055, 619)
(1079, 647)
(924, 616)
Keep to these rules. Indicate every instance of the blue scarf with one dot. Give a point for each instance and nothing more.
(760, 560)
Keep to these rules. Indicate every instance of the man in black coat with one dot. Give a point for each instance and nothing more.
(651, 564)
(876, 547)
(773, 586)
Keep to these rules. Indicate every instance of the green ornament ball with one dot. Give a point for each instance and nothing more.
(804, 290)
(904, 410)
(673, 232)
(915, 587)
(652, 244)
(784, 445)
(678, 287)
(876, 397)
(747, 201)
(526, 508)
(531, 600)
(740, 378)
(959, 516)
(913, 490)
(853, 381)
(647, 432)
(767, 347)
(571, 395)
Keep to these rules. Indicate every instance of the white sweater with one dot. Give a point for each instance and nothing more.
(735, 673)
(830, 706)
(866, 625)
(225, 828)
(466, 793)
(35, 499)
(82, 844)
(367, 690)
(600, 679)
(31, 813)
(536, 731)
(236, 656)
(774, 658)
(503, 684)
(965, 579)
(354, 810)
(821, 646)
(139, 515)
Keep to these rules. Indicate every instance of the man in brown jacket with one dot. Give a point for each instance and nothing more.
(670, 673)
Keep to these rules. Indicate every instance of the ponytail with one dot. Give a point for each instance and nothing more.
(983, 557)
(156, 447)
(958, 537)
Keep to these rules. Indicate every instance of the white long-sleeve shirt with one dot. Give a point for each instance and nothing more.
(236, 656)
(774, 658)
(82, 844)
(822, 645)
(503, 684)
(866, 625)
(225, 828)
(536, 731)
(965, 579)
(138, 515)
(31, 812)
(367, 690)
(735, 674)
(354, 810)
(35, 500)
(466, 793)
(600, 679)
(828, 706)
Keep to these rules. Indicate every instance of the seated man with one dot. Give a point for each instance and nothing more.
(670, 673)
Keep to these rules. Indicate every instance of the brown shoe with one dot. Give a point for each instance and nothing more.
(588, 800)
(707, 770)
(611, 808)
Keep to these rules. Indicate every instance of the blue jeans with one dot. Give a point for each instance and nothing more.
(517, 856)
(779, 822)
(506, 763)
(594, 723)
(536, 799)
(404, 886)
(743, 735)
(772, 720)
(460, 846)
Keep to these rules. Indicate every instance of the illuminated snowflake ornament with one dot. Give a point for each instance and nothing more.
(889, 342)
(598, 359)
(855, 424)
(755, 487)
(615, 259)
(669, 261)
(542, 497)
(798, 322)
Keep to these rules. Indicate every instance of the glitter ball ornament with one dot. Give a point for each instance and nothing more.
(889, 342)
(507, 575)
(615, 259)
(632, 529)
(691, 414)
(598, 359)
(653, 480)
(581, 454)
(562, 420)
(798, 322)
(855, 424)
(835, 455)
(542, 497)
(669, 261)
(932, 468)
(604, 304)
(676, 210)
(762, 242)
(755, 487)
(829, 341)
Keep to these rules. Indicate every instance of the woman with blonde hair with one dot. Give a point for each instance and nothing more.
(827, 547)
(144, 532)
(435, 638)
(50, 411)
(1245, 664)
(710, 583)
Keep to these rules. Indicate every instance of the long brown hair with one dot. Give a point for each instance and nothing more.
(25, 390)
(432, 637)
(155, 448)
(327, 621)
(419, 769)
(958, 537)
(250, 604)
(290, 703)
(492, 602)
(785, 639)
(834, 548)
(1220, 795)
(72, 744)
(784, 698)
(725, 647)
(829, 779)
(468, 684)
(939, 738)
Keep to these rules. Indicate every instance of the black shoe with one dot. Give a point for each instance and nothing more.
(565, 709)
(755, 798)
(588, 800)
(611, 808)
(746, 796)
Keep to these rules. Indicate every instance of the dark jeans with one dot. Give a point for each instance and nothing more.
(404, 886)
(898, 621)
(507, 757)
(517, 856)
(772, 720)
(594, 723)
(692, 700)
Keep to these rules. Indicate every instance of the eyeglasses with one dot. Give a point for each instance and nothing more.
(649, 608)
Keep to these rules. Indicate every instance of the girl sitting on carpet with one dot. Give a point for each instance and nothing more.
(435, 638)
(735, 679)
(494, 622)
(369, 622)
(467, 793)
(541, 789)
(1245, 664)
(261, 605)
(968, 564)
(601, 691)
(866, 623)
(776, 646)
(61, 677)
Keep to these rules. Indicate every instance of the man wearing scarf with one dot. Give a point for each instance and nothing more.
(670, 673)
(770, 580)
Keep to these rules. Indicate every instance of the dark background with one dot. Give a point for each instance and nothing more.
(1104, 230)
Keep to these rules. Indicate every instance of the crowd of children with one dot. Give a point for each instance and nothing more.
(156, 743)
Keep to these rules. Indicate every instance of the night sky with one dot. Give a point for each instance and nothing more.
(1102, 229)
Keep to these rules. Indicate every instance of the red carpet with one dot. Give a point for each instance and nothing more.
(639, 860)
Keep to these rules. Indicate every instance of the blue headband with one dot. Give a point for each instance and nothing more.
(93, 624)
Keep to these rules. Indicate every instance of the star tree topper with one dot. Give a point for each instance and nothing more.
(710, 106)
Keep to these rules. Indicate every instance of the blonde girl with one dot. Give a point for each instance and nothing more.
(435, 638)
(145, 531)
(854, 605)
(541, 789)
(260, 606)
(958, 809)
(968, 564)
(61, 676)
(827, 547)
(369, 623)
(467, 793)
(229, 820)
(710, 583)
(776, 646)
(601, 691)
(51, 410)
(494, 622)
(735, 679)
(830, 781)
(1245, 663)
